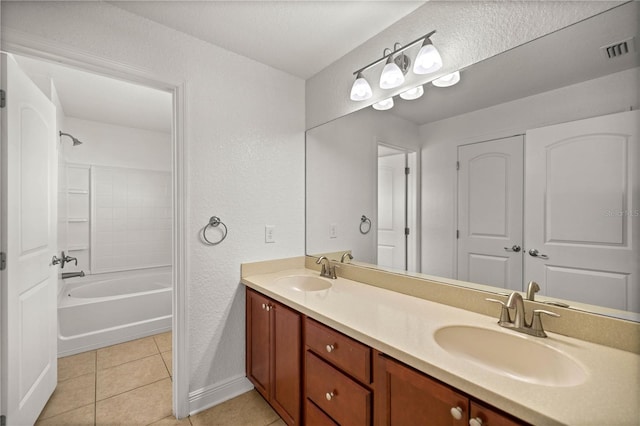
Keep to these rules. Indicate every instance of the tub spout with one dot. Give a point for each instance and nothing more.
(66, 275)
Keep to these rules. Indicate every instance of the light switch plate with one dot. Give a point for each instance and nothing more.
(269, 234)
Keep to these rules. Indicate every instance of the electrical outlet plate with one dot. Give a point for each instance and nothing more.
(333, 231)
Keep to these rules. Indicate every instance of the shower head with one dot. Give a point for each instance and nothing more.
(75, 140)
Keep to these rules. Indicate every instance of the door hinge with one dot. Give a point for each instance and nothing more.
(3, 261)
(406, 231)
(3, 420)
(457, 234)
(3, 98)
(457, 165)
(406, 170)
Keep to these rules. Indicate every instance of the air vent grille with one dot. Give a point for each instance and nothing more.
(618, 49)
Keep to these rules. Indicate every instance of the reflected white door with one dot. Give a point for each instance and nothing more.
(29, 324)
(582, 210)
(490, 212)
(391, 211)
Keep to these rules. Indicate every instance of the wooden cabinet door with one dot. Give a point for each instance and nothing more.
(258, 342)
(486, 416)
(287, 362)
(406, 397)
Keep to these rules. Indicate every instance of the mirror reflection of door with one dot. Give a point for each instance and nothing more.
(490, 187)
(582, 197)
(396, 207)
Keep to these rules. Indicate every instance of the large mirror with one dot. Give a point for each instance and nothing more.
(527, 169)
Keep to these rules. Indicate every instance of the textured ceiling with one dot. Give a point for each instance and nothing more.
(298, 37)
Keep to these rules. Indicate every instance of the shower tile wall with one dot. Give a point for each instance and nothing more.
(130, 220)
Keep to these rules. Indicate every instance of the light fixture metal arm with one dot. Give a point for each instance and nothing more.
(398, 50)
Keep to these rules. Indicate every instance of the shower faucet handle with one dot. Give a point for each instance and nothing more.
(66, 258)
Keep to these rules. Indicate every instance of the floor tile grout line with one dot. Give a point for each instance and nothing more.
(129, 362)
(132, 389)
(40, 419)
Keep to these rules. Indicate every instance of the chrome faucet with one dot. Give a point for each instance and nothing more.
(532, 289)
(327, 270)
(66, 275)
(347, 255)
(519, 322)
(515, 301)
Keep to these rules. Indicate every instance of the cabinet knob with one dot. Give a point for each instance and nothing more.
(269, 307)
(475, 421)
(330, 348)
(264, 306)
(456, 413)
(330, 395)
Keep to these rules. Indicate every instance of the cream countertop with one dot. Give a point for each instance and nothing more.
(403, 326)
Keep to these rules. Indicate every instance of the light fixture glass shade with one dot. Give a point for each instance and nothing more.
(361, 90)
(412, 94)
(391, 76)
(447, 80)
(428, 59)
(384, 104)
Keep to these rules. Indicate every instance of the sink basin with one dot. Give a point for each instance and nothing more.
(304, 283)
(511, 355)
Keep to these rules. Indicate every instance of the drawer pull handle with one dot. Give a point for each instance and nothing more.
(456, 413)
(475, 422)
(330, 395)
(330, 348)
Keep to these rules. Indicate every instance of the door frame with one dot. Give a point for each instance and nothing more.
(38, 48)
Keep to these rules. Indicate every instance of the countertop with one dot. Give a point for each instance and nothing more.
(403, 327)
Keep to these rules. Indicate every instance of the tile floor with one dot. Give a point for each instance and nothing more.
(130, 384)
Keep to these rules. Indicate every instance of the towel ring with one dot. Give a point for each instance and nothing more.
(214, 222)
(365, 221)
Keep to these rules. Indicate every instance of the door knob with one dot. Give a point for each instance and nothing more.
(536, 253)
(515, 248)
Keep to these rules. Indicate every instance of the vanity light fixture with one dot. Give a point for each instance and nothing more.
(392, 75)
(447, 80)
(383, 105)
(361, 90)
(397, 64)
(428, 59)
(412, 94)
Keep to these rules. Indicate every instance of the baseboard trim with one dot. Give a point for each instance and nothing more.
(207, 397)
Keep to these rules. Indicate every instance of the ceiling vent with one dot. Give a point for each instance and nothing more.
(621, 48)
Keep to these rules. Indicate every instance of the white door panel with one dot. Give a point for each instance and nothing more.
(490, 212)
(391, 211)
(29, 324)
(581, 210)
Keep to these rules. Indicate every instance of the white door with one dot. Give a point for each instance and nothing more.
(391, 211)
(29, 322)
(582, 210)
(490, 212)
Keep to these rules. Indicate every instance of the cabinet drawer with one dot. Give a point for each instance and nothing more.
(347, 402)
(342, 351)
(315, 416)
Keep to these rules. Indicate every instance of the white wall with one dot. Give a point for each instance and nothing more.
(117, 146)
(615, 93)
(467, 32)
(244, 125)
(341, 197)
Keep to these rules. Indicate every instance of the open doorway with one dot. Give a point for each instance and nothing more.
(115, 221)
(397, 203)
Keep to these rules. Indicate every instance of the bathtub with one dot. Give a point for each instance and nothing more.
(101, 310)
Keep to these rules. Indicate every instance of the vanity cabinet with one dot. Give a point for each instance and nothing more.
(405, 396)
(345, 382)
(337, 377)
(274, 347)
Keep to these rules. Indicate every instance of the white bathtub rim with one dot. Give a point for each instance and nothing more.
(111, 329)
(67, 301)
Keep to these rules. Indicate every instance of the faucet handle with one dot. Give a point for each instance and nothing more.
(505, 318)
(536, 322)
